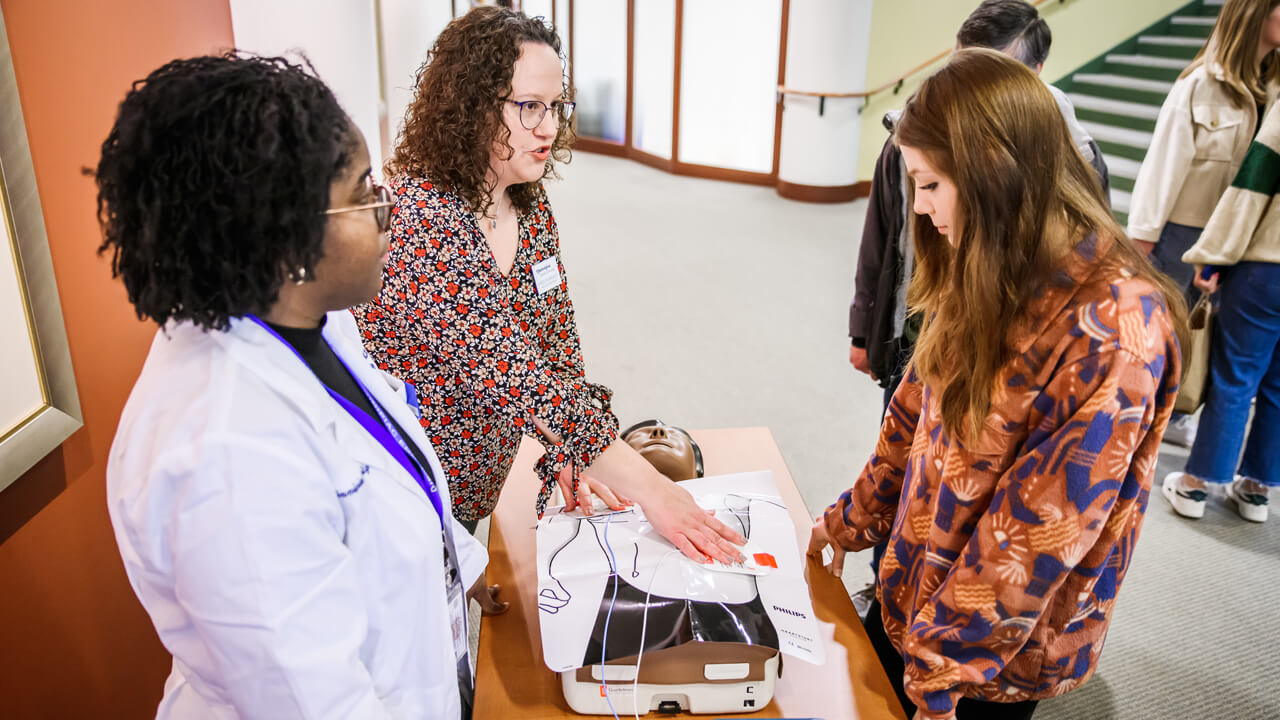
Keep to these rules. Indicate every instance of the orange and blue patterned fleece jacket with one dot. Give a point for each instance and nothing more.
(1004, 556)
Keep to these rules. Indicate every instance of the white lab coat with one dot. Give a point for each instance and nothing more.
(289, 564)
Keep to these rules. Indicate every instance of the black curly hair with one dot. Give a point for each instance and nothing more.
(213, 183)
(456, 112)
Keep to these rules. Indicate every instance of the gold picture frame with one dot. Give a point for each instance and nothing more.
(39, 403)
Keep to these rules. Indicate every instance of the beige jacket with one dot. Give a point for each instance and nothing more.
(1246, 224)
(1199, 142)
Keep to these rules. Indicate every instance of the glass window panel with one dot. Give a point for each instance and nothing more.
(728, 83)
(562, 20)
(600, 68)
(537, 8)
(653, 82)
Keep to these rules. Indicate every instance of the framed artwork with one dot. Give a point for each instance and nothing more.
(39, 405)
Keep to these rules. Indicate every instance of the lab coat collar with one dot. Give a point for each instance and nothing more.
(281, 369)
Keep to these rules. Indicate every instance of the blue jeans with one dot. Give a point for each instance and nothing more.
(1243, 363)
(1167, 257)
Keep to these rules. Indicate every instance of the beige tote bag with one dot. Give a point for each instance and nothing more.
(1195, 358)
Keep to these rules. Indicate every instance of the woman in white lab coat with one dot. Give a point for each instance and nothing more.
(273, 497)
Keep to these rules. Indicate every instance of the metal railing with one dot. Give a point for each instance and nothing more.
(895, 84)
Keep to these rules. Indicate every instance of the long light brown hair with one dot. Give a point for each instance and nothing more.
(1025, 198)
(1233, 45)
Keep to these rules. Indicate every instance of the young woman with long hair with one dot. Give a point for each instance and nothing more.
(1202, 133)
(1016, 457)
(1240, 248)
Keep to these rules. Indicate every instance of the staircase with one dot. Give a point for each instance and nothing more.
(1118, 95)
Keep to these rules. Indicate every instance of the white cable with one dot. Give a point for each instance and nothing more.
(604, 641)
(644, 624)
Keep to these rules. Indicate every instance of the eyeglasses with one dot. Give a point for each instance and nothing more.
(381, 209)
(533, 111)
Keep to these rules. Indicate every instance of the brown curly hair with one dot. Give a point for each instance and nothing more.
(459, 97)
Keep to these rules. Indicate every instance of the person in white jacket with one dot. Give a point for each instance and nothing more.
(275, 501)
(1202, 133)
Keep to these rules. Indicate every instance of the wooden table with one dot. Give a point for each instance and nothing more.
(513, 682)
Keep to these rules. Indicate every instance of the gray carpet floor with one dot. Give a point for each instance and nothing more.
(711, 304)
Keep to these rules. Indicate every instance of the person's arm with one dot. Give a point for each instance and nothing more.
(1072, 492)
(1231, 229)
(863, 515)
(442, 298)
(1099, 164)
(260, 568)
(1164, 169)
(875, 244)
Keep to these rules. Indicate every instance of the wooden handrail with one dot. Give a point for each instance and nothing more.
(896, 84)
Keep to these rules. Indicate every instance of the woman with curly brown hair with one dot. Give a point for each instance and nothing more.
(475, 310)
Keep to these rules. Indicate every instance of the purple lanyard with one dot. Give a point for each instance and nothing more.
(385, 433)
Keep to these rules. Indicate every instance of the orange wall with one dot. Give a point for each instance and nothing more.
(74, 642)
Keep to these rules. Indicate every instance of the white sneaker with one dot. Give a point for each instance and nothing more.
(1187, 503)
(862, 600)
(1250, 497)
(1182, 430)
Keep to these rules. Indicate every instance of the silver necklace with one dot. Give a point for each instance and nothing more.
(493, 219)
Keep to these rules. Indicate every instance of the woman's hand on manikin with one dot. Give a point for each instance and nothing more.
(669, 508)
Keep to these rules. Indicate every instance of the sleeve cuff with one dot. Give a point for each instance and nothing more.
(859, 342)
(580, 447)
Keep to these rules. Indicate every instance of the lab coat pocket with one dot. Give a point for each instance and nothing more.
(1216, 129)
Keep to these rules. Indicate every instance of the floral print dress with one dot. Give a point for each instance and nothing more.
(486, 352)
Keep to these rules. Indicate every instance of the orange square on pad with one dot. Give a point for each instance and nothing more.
(765, 560)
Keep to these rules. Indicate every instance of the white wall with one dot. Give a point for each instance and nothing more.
(826, 51)
(409, 28)
(340, 39)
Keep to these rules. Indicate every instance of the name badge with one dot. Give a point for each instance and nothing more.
(546, 275)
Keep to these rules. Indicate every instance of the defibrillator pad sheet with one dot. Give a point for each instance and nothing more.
(608, 582)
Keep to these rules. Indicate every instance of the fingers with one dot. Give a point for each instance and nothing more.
(565, 480)
(837, 561)
(711, 547)
(584, 497)
(683, 545)
(730, 550)
(715, 542)
(726, 532)
(818, 538)
(570, 500)
(488, 600)
(608, 496)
